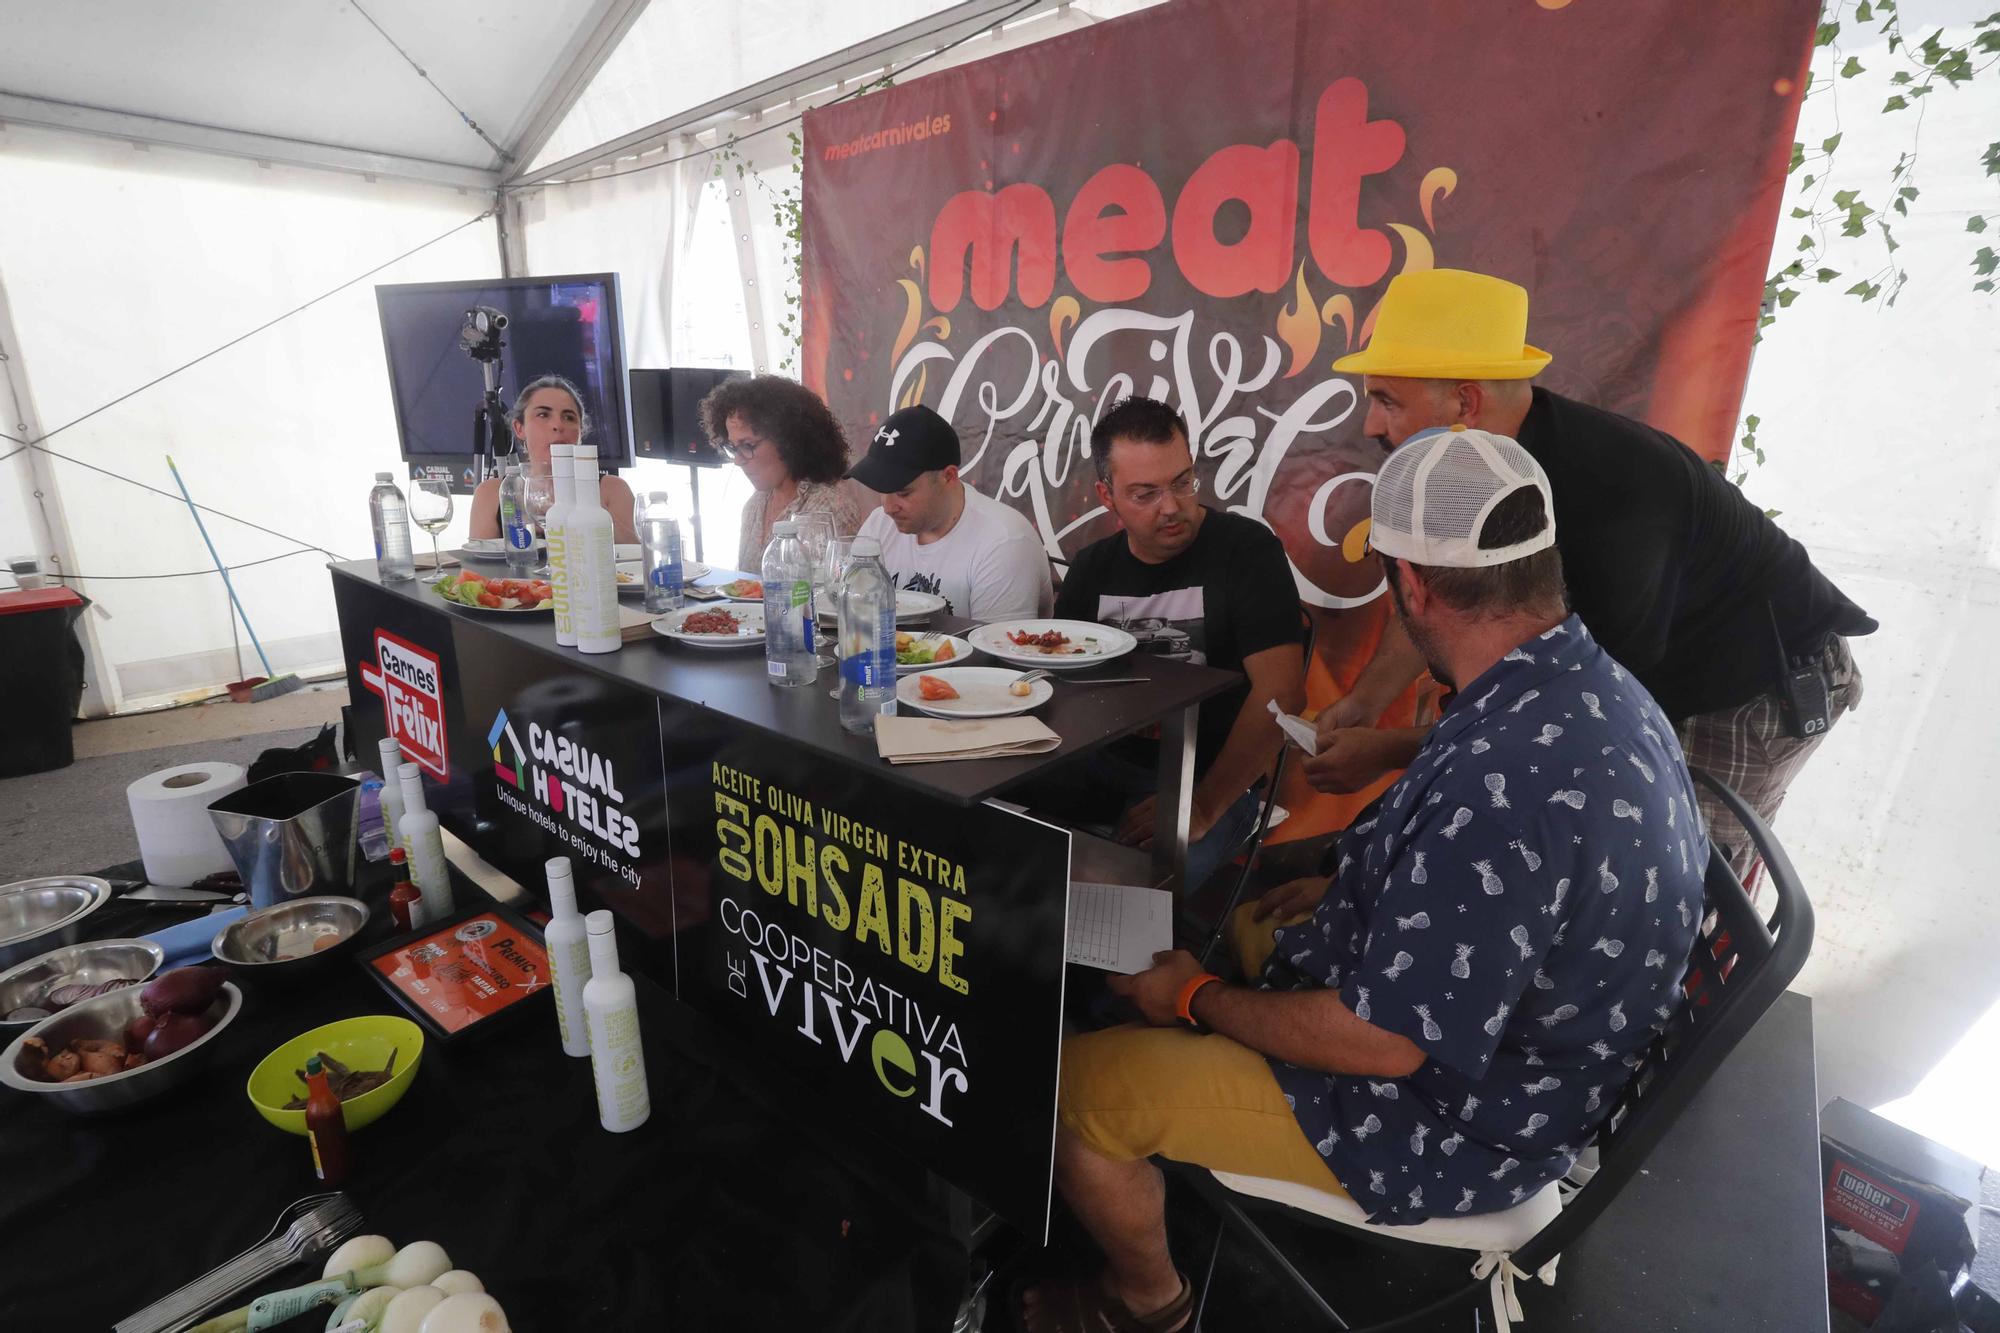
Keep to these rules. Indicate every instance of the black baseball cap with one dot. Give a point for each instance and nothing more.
(910, 443)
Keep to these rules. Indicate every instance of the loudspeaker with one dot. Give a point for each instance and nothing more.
(666, 414)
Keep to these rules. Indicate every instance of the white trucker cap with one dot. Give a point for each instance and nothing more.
(1434, 492)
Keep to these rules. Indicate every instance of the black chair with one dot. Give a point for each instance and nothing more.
(1739, 967)
(1255, 842)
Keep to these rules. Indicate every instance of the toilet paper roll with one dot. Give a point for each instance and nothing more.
(177, 839)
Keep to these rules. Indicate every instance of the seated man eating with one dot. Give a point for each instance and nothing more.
(1505, 933)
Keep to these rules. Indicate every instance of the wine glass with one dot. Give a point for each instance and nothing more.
(832, 568)
(815, 535)
(538, 495)
(430, 509)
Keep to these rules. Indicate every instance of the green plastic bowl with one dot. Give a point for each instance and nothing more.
(358, 1043)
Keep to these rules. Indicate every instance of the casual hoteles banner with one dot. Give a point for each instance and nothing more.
(1204, 202)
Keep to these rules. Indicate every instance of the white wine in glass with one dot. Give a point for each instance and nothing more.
(430, 509)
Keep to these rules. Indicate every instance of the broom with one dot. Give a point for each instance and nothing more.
(256, 689)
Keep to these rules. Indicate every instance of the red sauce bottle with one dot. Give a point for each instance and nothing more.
(406, 905)
(326, 1130)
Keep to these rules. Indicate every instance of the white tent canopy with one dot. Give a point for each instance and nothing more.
(177, 176)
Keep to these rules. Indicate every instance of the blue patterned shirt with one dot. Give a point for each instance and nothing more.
(1520, 905)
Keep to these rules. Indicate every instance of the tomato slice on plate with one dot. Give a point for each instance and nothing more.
(932, 690)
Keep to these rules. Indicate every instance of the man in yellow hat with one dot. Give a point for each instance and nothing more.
(1718, 612)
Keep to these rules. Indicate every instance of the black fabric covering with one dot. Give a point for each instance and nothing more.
(741, 1204)
(41, 680)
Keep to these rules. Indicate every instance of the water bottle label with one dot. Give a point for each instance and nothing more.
(666, 576)
(518, 537)
(775, 668)
(866, 670)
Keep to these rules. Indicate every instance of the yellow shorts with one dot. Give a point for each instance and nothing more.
(1132, 1092)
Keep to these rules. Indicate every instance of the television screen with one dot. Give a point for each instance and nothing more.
(666, 414)
(567, 325)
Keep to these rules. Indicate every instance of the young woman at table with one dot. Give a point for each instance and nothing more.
(550, 412)
(785, 439)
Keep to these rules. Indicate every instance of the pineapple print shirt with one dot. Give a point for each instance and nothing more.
(1521, 905)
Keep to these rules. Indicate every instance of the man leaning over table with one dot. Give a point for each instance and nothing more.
(1453, 1016)
(1199, 584)
(1679, 576)
(940, 536)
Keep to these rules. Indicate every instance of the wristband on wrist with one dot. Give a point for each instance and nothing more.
(1186, 998)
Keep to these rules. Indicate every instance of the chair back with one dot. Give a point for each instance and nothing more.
(1739, 966)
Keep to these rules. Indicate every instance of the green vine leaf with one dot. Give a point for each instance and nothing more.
(1975, 223)
(1851, 68)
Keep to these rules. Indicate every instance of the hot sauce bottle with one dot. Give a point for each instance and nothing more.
(326, 1130)
(406, 905)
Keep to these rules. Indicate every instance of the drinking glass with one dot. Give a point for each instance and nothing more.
(815, 536)
(430, 509)
(833, 568)
(538, 495)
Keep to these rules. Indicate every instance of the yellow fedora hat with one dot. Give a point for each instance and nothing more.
(1446, 323)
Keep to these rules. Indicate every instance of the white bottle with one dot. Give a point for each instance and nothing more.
(593, 566)
(788, 609)
(392, 790)
(868, 640)
(562, 474)
(616, 1060)
(569, 958)
(423, 846)
(389, 515)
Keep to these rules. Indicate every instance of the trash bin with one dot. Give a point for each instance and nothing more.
(41, 678)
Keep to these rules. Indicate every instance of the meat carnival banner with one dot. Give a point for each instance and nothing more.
(1204, 202)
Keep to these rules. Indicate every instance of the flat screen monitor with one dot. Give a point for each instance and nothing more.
(666, 414)
(566, 325)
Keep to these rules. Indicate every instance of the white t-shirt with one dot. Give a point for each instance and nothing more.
(990, 566)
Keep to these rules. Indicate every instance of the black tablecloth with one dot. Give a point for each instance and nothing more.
(737, 1205)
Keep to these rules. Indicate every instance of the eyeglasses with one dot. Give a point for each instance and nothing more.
(739, 452)
(1181, 487)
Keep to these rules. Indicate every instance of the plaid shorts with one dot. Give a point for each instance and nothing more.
(1749, 749)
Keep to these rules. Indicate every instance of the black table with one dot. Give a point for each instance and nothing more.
(727, 1209)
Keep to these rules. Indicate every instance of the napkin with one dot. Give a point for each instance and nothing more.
(929, 740)
(634, 621)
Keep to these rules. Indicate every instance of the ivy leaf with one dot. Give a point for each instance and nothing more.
(1845, 198)
(1889, 237)
(1985, 261)
(1805, 242)
(1751, 423)
(1991, 157)
(1786, 297)
(1799, 157)
(1851, 68)
(1900, 77)
(1828, 144)
(1826, 274)
(1975, 223)
(1895, 104)
(1826, 33)
(1862, 13)
(1801, 213)
(1806, 184)
(1864, 289)
(1908, 192)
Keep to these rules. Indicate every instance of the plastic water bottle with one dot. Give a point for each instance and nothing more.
(665, 575)
(867, 639)
(788, 609)
(514, 527)
(389, 514)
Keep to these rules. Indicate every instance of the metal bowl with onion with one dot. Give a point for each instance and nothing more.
(292, 939)
(106, 1018)
(28, 985)
(37, 915)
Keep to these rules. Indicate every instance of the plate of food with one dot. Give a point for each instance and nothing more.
(713, 626)
(1058, 645)
(972, 692)
(632, 576)
(492, 548)
(919, 652)
(744, 590)
(910, 605)
(518, 597)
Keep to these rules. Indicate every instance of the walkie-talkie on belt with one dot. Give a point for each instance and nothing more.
(1803, 694)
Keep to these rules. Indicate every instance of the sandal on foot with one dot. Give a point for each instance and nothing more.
(1082, 1305)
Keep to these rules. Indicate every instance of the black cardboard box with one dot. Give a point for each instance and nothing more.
(1896, 1204)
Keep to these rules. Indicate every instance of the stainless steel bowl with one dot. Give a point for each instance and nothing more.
(286, 940)
(106, 1018)
(37, 915)
(84, 964)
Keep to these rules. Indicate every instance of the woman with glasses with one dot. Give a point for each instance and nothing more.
(785, 439)
(550, 412)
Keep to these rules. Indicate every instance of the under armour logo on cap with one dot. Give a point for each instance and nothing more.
(886, 437)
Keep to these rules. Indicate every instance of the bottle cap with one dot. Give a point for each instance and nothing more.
(391, 749)
(408, 770)
(784, 527)
(385, 479)
(600, 922)
(396, 856)
(562, 888)
(562, 451)
(865, 546)
(313, 1065)
(584, 451)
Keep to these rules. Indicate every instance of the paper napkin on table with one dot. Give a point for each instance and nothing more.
(634, 621)
(926, 740)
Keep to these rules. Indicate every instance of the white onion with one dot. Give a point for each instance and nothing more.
(368, 1306)
(358, 1252)
(457, 1281)
(412, 1266)
(467, 1312)
(406, 1313)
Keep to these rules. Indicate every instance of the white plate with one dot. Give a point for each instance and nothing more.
(632, 576)
(752, 632)
(723, 589)
(962, 652)
(910, 605)
(624, 551)
(1110, 642)
(982, 692)
(491, 548)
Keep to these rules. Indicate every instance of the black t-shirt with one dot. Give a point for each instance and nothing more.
(1230, 594)
(1670, 566)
